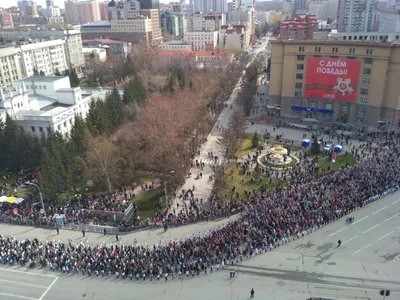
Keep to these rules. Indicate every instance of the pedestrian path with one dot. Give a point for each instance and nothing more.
(212, 162)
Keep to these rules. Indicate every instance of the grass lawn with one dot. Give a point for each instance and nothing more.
(147, 202)
(236, 180)
(341, 160)
(244, 145)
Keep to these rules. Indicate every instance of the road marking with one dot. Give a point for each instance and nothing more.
(27, 273)
(384, 236)
(338, 231)
(48, 289)
(391, 217)
(395, 201)
(380, 210)
(359, 220)
(350, 240)
(17, 296)
(371, 228)
(22, 283)
(362, 249)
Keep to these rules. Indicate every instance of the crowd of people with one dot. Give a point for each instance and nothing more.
(267, 220)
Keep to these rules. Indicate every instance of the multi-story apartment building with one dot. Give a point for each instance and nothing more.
(205, 21)
(201, 40)
(351, 81)
(10, 68)
(81, 12)
(170, 23)
(47, 57)
(324, 10)
(355, 15)
(94, 55)
(234, 37)
(6, 20)
(387, 20)
(302, 27)
(42, 104)
(209, 6)
(72, 37)
(175, 46)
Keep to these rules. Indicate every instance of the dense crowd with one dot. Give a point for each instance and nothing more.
(267, 221)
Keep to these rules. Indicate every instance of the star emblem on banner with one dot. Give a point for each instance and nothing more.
(343, 86)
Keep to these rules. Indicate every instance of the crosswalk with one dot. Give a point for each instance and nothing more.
(211, 162)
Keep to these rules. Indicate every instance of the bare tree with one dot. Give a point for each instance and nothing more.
(102, 160)
(237, 123)
(227, 142)
(218, 177)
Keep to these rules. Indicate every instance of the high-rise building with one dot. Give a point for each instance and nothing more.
(49, 3)
(355, 15)
(205, 22)
(300, 5)
(170, 23)
(302, 27)
(388, 20)
(324, 9)
(6, 20)
(81, 12)
(288, 10)
(103, 10)
(210, 6)
(150, 4)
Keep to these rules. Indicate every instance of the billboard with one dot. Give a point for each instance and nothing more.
(331, 78)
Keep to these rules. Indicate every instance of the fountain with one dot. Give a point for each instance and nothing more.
(279, 157)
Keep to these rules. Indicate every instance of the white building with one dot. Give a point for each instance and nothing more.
(288, 10)
(94, 55)
(42, 104)
(357, 36)
(201, 40)
(205, 22)
(175, 46)
(388, 20)
(209, 6)
(45, 57)
(72, 37)
(355, 15)
(10, 68)
(234, 37)
(323, 10)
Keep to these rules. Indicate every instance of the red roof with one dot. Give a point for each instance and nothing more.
(104, 41)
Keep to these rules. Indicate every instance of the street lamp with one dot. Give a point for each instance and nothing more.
(41, 198)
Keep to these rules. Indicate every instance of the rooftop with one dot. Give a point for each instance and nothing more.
(94, 24)
(41, 78)
(104, 41)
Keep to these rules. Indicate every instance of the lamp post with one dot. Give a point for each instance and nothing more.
(41, 198)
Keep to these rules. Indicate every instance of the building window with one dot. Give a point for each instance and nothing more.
(367, 71)
(297, 94)
(334, 50)
(300, 57)
(33, 129)
(363, 100)
(45, 87)
(367, 61)
(352, 50)
(59, 127)
(65, 123)
(300, 66)
(301, 49)
(41, 129)
(365, 81)
(364, 91)
(299, 85)
(317, 49)
(368, 51)
(299, 76)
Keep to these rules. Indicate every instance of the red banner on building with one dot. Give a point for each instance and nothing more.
(330, 78)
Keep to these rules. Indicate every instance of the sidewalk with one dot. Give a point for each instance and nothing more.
(148, 236)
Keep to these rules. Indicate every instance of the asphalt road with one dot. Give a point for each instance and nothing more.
(367, 261)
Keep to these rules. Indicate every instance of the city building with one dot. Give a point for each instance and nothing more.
(288, 11)
(387, 20)
(350, 81)
(46, 57)
(112, 47)
(300, 6)
(234, 37)
(170, 23)
(261, 16)
(81, 12)
(201, 40)
(42, 104)
(357, 36)
(175, 46)
(72, 37)
(150, 4)
(210, 6)
(205, 21)
(103, 11)
(28, 21)
(355, 15)
(94, 55)
(324, 10)
(6, 20)
(302, 27)
(245, 16)
(10, 67)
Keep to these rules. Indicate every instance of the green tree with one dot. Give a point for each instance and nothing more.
(73, 77)
(129, 93)
(97, 118)
(77, 141)
(41, 73)
(127, 68)
(35, 71)
(57, 72)
(257, 172)
(255, 140)
(315, 147)
(114, 110)
(140, 90)
(180, 76)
